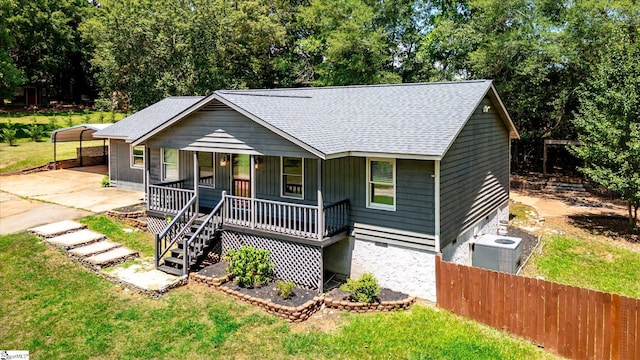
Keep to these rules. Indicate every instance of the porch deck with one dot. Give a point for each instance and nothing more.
(313, 225)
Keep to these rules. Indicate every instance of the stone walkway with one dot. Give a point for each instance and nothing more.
(102, 255)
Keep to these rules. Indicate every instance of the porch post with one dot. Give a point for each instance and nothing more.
(320, 203)
(196, 180)
(55, 146)
(253, 189)
(147, 174)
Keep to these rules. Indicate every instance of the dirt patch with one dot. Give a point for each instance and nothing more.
(612, 226)
(216, 270)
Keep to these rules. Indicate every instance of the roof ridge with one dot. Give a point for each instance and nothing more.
(239, 91)
(185, 97)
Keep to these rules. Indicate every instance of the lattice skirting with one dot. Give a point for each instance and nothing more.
(156, 224)
(299, 263)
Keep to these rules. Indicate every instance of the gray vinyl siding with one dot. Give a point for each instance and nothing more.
(345, 178)
(120, 168)
(219, 128)
(474, 174)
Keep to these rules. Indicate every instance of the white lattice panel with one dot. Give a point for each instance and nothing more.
(299, 263)
(156, 225)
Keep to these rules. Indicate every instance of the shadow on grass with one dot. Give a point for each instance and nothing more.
(615, 226)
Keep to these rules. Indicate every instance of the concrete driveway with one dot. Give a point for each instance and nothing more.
(39, 198)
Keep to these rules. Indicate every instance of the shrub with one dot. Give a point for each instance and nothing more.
(250, 267)
(53, 123)
(101, 118)
(69, 119)
(34, 131)
(285, 288)
(105, 181)
(364, 289)
(9, 133)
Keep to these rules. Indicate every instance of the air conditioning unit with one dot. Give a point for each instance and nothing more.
(497, 252)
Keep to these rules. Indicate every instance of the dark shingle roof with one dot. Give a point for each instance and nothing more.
(419, 119)
(149, 118)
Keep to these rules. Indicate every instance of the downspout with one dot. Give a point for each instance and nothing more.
(252, 176)
(436, 190)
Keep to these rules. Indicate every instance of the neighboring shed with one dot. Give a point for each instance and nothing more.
(80, 133)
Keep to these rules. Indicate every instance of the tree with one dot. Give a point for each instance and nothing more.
(46, 44)
(608, 118)
(10, 76)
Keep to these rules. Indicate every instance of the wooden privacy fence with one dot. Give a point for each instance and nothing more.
(572, 322)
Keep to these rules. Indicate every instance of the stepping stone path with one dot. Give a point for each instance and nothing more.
(91, 248)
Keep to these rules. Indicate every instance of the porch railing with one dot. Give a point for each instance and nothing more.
(285, 218)
(166, 240)
(202, 237)
(169, 200)
(336, 217)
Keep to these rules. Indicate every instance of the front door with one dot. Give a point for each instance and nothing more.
(241, 175)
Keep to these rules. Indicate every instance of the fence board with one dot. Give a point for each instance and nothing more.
(599, 338)
(574, 332)
(606, 347)
(616, 325)
(540, 300)
(583, 304)
(591, 331)
(466, 293)
(634, 329)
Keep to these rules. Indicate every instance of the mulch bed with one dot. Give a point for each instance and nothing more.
(388, 300)
(270, 294)
(529, 241)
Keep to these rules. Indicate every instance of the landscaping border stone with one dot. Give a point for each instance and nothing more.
(359, 307)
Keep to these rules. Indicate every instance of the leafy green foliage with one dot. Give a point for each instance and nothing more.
(363, 289)
(9, 133)
(249, 266)
(105, 182)
(34, 131)
(608, 120)
(285, 288)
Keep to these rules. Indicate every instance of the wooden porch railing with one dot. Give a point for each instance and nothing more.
(168, 200)
(285, 218)
(336, 217)
(176, 229)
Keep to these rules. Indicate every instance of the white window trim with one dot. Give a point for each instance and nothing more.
(213, 164)
(144, 153)
(282, 174)
(372, 205)
(162, 162)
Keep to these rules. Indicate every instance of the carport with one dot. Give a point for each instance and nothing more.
(82, 132)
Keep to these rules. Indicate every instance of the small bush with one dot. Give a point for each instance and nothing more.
(69, 119)
(105, 181)
(101, 118)
(250, 267)
(34, 131)
(9, 133)
(53, 123)
(285, 288)
(364, 289)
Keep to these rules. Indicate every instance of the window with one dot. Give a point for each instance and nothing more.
(381, 184)
(137, 156)
(206, 162)
(170, 165)
(292, 177)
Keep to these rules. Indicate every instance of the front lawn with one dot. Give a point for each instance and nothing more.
(55, 308)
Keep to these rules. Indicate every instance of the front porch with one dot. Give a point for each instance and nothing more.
(198, 215)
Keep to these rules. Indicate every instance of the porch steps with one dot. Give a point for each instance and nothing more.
(57, 228)
(74, 239)
(170, 270)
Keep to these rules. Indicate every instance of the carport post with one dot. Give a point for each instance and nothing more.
(55, 145)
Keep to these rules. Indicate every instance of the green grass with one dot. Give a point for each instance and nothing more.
(28, 154)
(594, 264)
(55, 308)
(521, 213)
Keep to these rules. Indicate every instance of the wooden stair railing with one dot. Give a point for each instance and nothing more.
(176, 229)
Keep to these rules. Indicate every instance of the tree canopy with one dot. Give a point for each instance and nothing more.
(542, 54)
